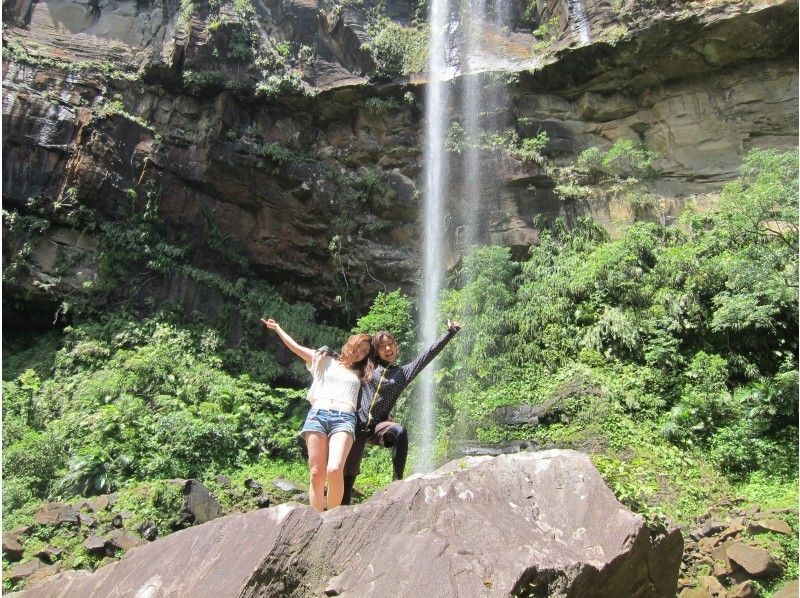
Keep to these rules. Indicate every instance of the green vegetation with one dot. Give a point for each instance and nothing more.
(33, 54)
(689, 333)
(397, 50)
(527, 149)
(389, 311)
(669, 355)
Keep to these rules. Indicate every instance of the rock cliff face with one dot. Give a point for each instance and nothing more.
(540, 524)
(271, 126)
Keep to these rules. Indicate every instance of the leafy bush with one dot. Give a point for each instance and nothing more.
(389, 311)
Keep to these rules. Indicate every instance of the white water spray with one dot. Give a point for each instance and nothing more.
(433, 216)
(577, 14)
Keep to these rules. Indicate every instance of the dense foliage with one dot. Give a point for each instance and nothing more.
(669, 354)
(692, 330)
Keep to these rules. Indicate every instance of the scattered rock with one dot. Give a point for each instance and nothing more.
(695, 593)
(95, 545)
(12, 547)
(20, 571)
(56, 513)
(223, 481)
(287, 486)
(49, 554)
(117, 521)
(712, 585)
(790, 590)
(199, 502)
(778, 526)
(518, 415)
(708, 529)
(301, 498)
(751, 510)
(101, 503)
(253, 486)
(722, 564)
(707, 544)
(743, 590)
(86, 520)
(83, 504)
(731, 531)
(119, 539)
(148, 530)
(756, 561)
(264, 501)
(42, 574)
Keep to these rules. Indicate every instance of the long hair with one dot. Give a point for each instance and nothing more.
(379, 338)
(349, 353)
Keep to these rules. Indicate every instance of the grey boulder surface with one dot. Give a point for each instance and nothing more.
(527, 524)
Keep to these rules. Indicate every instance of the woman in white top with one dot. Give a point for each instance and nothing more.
(330, 426)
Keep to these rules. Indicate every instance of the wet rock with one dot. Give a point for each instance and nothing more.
(777, 526)
(478, 527)
(756, 561)
(517, 415)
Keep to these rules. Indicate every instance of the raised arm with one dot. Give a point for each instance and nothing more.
(413, 368)
(302, 352)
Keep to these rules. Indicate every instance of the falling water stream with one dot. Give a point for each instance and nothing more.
(577, 14)
(482, 98)
(435, 169)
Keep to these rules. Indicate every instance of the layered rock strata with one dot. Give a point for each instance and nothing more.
(316, 186)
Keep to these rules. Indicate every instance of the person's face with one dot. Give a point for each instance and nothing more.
(362, 351)
(387, 350)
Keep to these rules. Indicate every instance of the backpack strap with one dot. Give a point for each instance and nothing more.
(375, 398)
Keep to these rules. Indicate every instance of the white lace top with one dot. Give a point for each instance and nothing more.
(333, 382)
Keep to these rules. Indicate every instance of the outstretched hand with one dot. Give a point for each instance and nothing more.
(270, 323)
(453, 325)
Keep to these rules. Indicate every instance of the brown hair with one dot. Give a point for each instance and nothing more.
(348, 356)
(379, 338)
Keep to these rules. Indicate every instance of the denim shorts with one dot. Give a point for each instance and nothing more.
(329, 421)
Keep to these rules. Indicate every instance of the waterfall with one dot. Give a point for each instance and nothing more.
(577, 15)
(436, 172)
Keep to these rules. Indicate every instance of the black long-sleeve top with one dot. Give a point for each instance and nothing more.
(395, 380)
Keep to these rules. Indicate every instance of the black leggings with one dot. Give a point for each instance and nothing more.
(395, 438)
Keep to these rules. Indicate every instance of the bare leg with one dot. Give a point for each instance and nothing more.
(317, 444)
(340, 444)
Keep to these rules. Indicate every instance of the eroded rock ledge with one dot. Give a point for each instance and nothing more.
(538, 524)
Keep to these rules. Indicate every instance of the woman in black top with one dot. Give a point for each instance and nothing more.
(378, 398)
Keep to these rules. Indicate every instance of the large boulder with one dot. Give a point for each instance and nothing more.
(542, 524)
